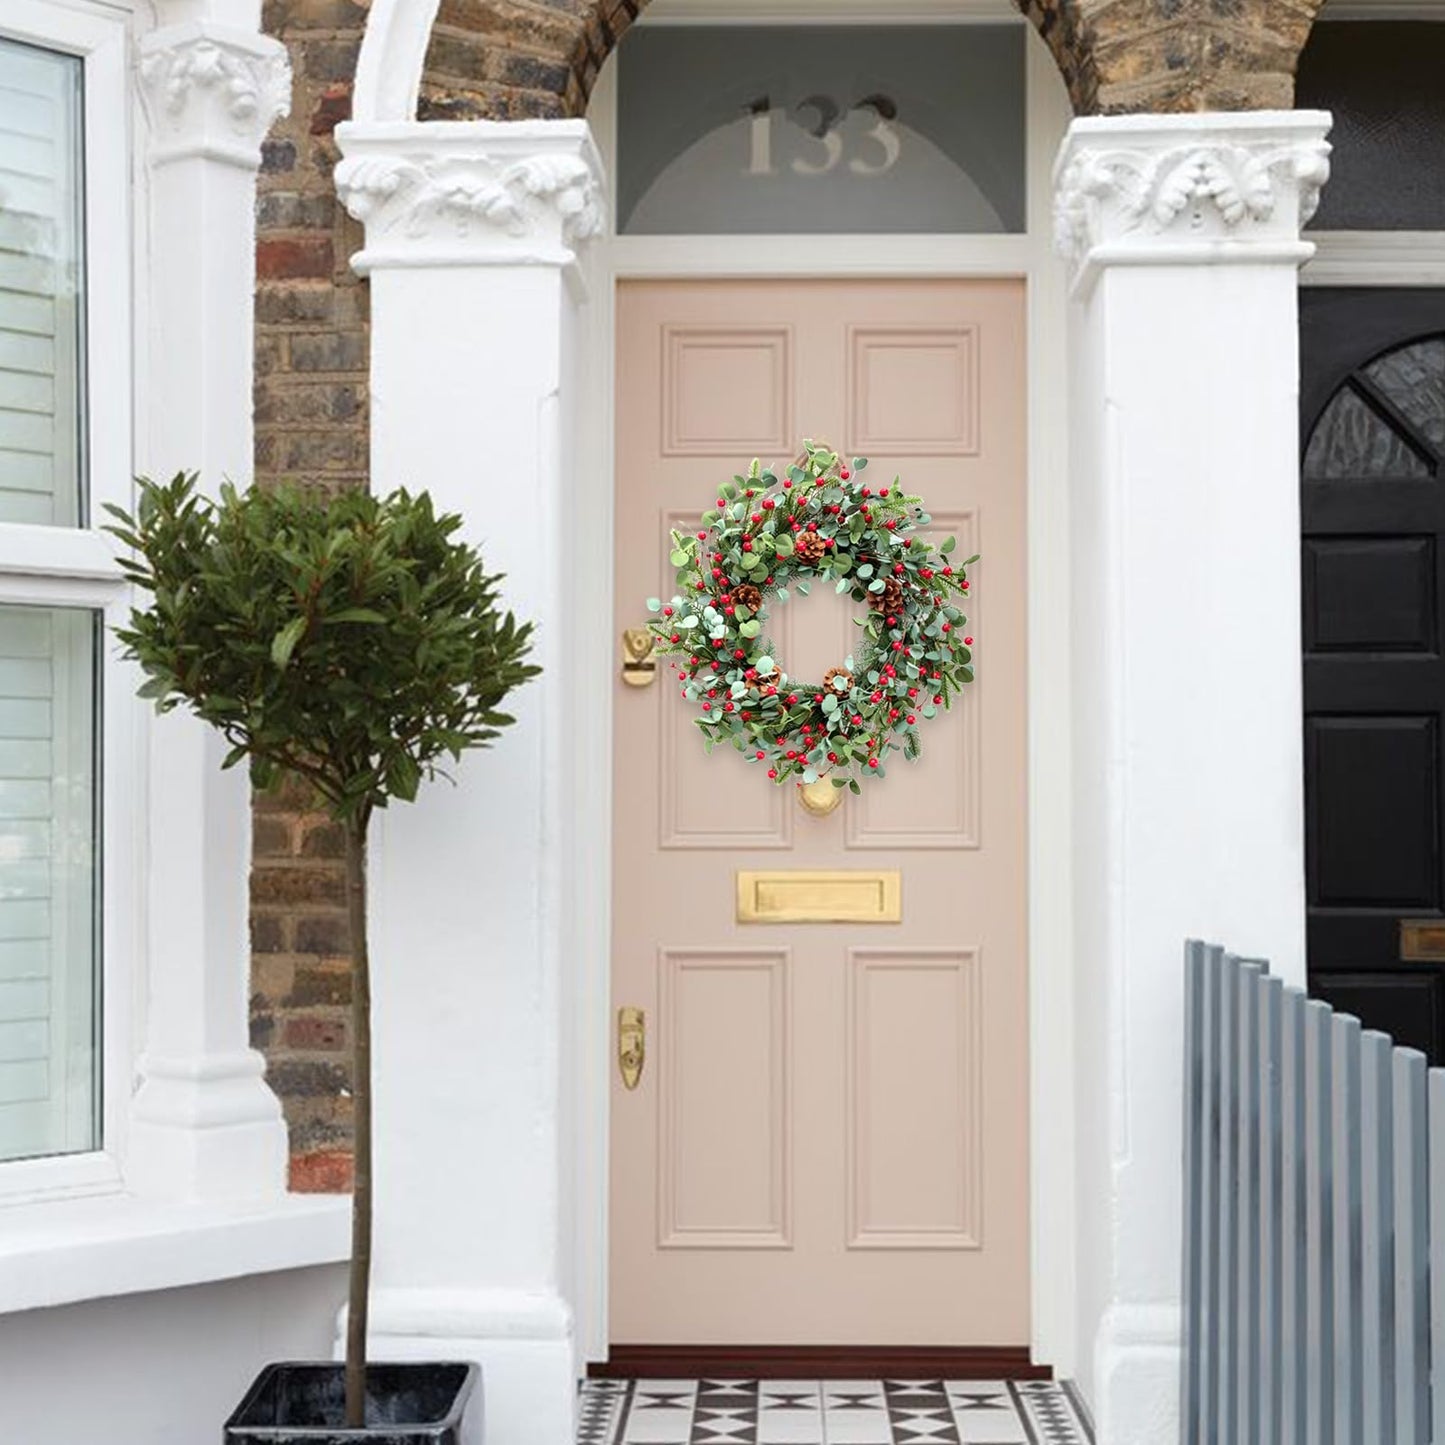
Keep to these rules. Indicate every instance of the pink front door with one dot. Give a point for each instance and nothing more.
(829, 1140)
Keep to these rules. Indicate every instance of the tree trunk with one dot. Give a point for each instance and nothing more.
(360, 1278)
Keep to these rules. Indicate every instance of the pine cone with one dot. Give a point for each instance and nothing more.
(890, 599)
(833, 672)
(810, 547)
(746, 595)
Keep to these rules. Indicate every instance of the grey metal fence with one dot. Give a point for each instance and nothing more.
(1314, 1221)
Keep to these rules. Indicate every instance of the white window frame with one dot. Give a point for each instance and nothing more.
(76, 567)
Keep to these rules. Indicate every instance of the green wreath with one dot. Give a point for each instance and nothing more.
(769, 536)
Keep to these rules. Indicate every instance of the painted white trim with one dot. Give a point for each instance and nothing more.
(96, 1248)
(1376, 258)
(735, 257)
(74, 1227)
(75, 567)
(1383, 10)
(1052, 1265)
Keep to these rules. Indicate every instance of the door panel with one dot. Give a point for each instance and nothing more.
(1373, 519)
(829, 1141)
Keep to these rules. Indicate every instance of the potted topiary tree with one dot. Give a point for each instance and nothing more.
(356, 643)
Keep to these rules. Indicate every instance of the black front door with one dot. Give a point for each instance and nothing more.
(1373, 516)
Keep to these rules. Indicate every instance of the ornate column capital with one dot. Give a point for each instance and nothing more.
(470, 193)
(212, 91)
(1204, 189)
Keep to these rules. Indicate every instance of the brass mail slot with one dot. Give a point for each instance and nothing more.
(795, 896)
(1422, 940)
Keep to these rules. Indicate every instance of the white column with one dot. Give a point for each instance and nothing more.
(1183, 233)
(472, 231)
(203, 1123)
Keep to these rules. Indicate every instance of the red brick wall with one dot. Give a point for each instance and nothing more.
(311, 425)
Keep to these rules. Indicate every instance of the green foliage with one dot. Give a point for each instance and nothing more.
(913, 653)
(355, 641)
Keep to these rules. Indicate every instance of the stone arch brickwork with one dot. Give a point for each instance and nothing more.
(515, 59)
(510, 59)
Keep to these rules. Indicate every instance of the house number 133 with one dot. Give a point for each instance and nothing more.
(820, 116)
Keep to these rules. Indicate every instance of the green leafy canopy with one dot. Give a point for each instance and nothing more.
(354, 640)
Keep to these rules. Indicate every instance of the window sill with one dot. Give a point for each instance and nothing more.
(80, 1249)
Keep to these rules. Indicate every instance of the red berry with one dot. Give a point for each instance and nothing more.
(911, 719)
(707, 707)
(787, 483)
(702, 536)
(844, 473)
(674, 638)
(938, 700)
(772, 772)
(872, 762)
(882, 491)
(747, 546)
(946, 626)
(760, 753)
(968, 642)
(739, 653)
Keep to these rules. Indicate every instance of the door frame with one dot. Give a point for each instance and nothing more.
(1029, 257)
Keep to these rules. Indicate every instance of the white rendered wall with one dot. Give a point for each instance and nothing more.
(1188, 771)
(486, 919)
(157, 1369)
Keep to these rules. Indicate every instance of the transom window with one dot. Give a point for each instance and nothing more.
(49, 654)
(774, 129)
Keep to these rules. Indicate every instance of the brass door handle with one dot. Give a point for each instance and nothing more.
(631, 1045)
(639, 666)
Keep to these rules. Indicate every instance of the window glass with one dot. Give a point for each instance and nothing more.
(1387, 421)
(726, 129)
(41, 352)
(1383, 81)
(49, 980)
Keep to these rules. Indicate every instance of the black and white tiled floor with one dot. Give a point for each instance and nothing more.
(830, 1412)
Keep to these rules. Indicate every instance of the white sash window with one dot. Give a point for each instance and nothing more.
(50, 994)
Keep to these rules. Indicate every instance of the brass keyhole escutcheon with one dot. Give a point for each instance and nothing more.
(631, 1045)
(820, 798)
(639, 666)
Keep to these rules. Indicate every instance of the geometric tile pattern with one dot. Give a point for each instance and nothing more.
(831, 1412)
(599, 1411)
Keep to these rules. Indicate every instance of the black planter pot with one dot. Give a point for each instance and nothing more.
(406, 1404)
